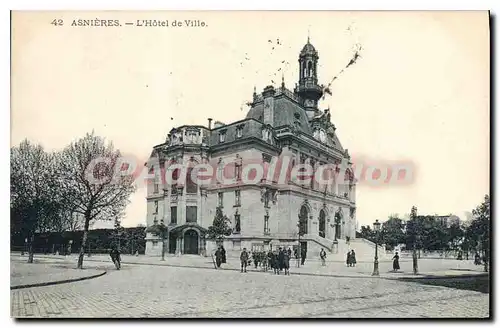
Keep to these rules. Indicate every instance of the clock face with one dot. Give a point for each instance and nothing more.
(308, 102)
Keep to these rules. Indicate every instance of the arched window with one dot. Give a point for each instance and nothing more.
(304, 213)
(310, 69)
(322, 224)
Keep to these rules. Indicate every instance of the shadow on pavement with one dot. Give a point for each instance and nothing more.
(479, 283)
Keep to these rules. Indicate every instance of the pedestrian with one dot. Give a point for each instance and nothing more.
(477, 259)
(269, 260)
(276, 266)
(348, 259)
(115, 257)
(255, 257)
(286, 262)
(281, 259)
(303, 254)
(218, 257)
(244, 259)
(322, 255)
(395, 262)
(289, 253)
(460, 256)
(353, 258)
(223, 254)
(296, 253)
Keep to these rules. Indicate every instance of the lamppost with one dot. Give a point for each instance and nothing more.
(162, 229)
(376, 228)
(298, 246)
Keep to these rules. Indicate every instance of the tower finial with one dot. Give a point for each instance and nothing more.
(282, 80)
(308, 35)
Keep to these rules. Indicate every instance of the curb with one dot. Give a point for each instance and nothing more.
(49, 283)
(367, 276)
(431, 277)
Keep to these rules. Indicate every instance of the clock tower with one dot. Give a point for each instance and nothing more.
(308, 89)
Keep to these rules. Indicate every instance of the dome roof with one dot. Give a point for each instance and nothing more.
(308, 49)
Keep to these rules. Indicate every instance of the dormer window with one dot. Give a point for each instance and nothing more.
(239, 131)
(222, 136)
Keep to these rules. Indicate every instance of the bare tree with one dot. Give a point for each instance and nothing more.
(33, 182)
(90, 168)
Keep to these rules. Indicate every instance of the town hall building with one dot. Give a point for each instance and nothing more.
(281, 125)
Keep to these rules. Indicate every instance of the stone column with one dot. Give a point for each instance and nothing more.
(181, 205)
(178, 248)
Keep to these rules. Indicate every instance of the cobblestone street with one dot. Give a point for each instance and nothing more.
(154, 291)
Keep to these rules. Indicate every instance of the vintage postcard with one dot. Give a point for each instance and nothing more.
(250, 164)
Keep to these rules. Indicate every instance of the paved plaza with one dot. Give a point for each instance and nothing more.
(144, 290)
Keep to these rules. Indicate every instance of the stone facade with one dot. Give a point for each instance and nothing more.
(282, 130)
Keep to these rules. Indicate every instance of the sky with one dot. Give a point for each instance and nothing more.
(419, 94)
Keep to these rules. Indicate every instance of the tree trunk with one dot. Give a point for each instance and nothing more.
(31, 239)
(84, 242)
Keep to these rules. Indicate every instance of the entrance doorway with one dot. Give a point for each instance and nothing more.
(191, 242)
(172, 244)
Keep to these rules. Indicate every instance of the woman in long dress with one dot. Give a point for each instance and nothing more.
(395, 262)
(353, 258)
(348, 259)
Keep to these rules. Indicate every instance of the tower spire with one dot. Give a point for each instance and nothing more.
(282, 80)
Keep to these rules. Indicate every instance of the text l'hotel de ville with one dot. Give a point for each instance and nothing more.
(97, 22)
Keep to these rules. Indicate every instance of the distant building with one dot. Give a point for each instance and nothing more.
(445, 220)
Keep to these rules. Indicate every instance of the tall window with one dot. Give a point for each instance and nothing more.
(155, 207)
(266, 224)
(173, 214)
(313, 168)
(220, 171)
(237, 223)
(156, 188)
(220, 199)
(237, 171)
(237, 198)
(239, 132)
(266, 198)
(191, 213)
(222, 136)
(191, 187)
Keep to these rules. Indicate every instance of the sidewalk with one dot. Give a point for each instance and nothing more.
(428, 268)
(44, 273)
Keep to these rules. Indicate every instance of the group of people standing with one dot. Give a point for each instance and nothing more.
(277, 260)
(220, 256)
(351, 258)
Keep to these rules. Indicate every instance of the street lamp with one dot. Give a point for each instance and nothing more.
(298, 247)
(376, 227)
(162, 229)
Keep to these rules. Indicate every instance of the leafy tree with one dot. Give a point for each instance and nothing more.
(220, 227)
(367, 233)
(90, 170)
(393, 231)
(33, 189)
(455, 236)
(479, 230)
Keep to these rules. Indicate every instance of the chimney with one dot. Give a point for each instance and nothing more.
(209, 123)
